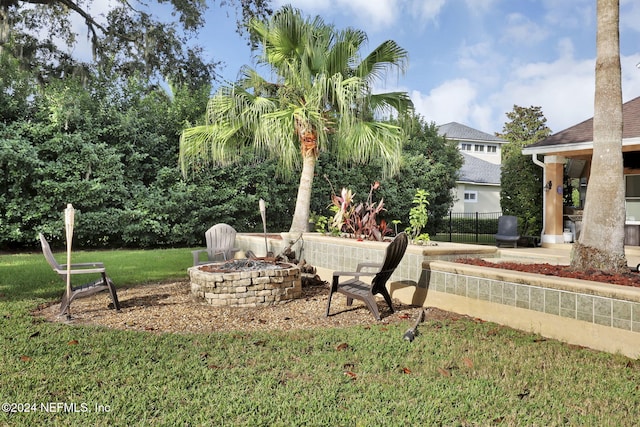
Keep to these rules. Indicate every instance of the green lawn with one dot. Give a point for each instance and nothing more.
(461, 372)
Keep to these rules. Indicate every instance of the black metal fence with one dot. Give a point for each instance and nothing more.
(469, 227)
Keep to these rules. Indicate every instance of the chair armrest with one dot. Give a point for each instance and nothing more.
(84, 265)
(362, 265)
(81, 271)
(355, 274)
(196, 255)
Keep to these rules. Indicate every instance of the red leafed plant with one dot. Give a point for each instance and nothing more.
(360, 220)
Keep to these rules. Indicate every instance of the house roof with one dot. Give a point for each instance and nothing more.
(583, 132)
(479, 171)
(460, 132)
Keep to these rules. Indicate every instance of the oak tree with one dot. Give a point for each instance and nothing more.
(152, 39)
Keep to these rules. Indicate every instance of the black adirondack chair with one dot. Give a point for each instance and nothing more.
(104, 283)
(507, 231)
(355, 288)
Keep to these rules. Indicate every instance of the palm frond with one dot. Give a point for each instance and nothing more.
(202, 145)
(343, 55)
(276, 136)
(367, 140)
(389, 103)
(386, 56)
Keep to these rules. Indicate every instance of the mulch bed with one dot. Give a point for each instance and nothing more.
(624, 279)
(169, 307)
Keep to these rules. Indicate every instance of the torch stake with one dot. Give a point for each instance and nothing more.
(69, 214)
(263, 214)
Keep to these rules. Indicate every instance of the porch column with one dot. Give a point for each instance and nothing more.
(553, 204)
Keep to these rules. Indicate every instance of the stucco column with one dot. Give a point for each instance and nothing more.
(553, 186)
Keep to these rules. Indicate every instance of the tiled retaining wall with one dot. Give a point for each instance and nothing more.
(577, 305)
(599, 316)
(341, 254)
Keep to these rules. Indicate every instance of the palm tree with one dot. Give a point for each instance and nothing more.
(601, 243)
(321, 99)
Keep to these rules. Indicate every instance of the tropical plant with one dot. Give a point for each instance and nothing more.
(321, 100)
(364, 221)
(418, 216)
(319, 222)
(361, 220)
(343, 208)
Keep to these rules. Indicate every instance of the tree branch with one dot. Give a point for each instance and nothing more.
(92, 24)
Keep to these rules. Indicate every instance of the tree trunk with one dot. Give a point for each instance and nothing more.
(300, 221)
(5, 27)
(601, 243)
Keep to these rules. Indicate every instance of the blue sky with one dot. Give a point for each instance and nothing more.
(471, 61)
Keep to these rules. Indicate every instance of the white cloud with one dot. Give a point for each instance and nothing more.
(480, 7)
(521, 30)
(451, 101)
(427, 10)
(564, 89)
(570, 14)
(307, 6)
(629, 15)
(630, 76)
(565, 94)
(481, 62)
(376, 13)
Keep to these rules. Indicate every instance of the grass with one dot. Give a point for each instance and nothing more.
(457, 372)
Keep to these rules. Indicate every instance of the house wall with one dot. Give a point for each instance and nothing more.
(487, 198)
(482, 150)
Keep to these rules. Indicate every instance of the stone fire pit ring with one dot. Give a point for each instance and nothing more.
(245, 283)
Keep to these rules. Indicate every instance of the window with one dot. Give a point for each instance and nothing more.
(492, 149)
(471, 197)
(465, 147)
(479, 148)
(632, 197)
(632, 186)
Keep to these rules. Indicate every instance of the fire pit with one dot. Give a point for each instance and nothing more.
(245, 283)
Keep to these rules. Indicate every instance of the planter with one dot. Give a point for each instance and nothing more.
(597, 315)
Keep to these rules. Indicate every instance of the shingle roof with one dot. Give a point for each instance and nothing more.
(479, 171)
(460, 132)
(583, 132)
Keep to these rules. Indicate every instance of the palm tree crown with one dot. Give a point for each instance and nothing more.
(321, 99)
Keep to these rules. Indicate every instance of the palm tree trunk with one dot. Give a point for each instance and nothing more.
(601, 243)
(300, 221)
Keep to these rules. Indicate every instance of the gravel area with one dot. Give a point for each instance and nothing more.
(169, 307)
